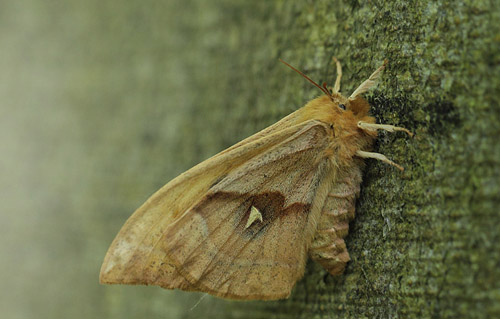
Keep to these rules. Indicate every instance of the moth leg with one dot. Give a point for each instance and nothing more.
(378, 156)
(368, 84)
(386, 127)
(336, 87)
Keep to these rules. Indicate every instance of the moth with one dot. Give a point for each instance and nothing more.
(242, 224)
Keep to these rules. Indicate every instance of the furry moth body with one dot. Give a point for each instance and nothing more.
(242, 224)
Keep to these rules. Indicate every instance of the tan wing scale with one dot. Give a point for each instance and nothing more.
(137, 255)
(136, 239)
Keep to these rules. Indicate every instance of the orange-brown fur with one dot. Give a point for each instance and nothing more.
(347, 137)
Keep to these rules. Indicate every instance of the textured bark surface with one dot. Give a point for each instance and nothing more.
(104, 102)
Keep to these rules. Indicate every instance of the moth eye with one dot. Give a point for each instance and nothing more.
(342, 106)
(331, 126)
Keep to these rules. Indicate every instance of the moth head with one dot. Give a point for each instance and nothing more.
(358, 106)
(345, 118)
(354, 103)
(353, 129)
(341, 117)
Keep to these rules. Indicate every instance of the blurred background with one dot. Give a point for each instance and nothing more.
(103, 102)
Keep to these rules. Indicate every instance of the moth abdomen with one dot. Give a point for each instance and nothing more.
(328, 247)
(332, 257)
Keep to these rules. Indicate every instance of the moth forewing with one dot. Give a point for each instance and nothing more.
(127, 255)
(210, 244)
(134, 256)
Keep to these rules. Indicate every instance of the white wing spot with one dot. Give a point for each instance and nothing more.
(254, 215)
